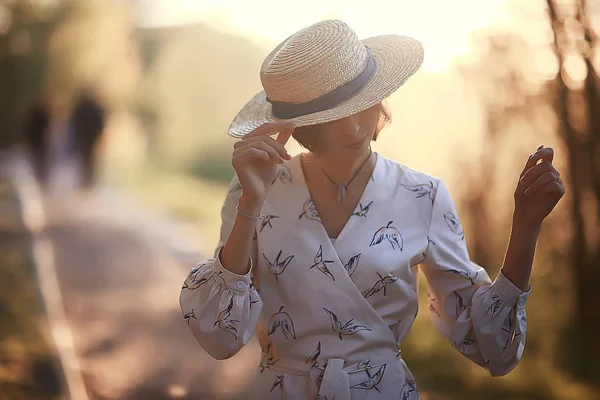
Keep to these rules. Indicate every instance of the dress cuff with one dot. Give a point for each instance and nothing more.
(234, 282)
(512, 295)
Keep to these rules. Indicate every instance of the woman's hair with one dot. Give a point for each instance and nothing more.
(308, 136)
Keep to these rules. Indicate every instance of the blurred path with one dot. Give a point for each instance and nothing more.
(111, 273)
(120, 271)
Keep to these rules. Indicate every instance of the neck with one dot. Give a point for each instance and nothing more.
(341, 166)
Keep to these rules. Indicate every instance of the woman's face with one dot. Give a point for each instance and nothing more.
(352, 134)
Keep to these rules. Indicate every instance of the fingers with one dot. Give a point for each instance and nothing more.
(542, 181)
(267, 140)
(555, 188)
(542, 153)
(259, 139)
(270, 128)
(532, 174)
(263, 146)
(247, 156)
(284, 136)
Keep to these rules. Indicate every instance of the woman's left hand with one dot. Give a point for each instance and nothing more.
(539, 189)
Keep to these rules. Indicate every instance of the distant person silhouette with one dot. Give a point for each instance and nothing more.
(88, 120)
(36, 134)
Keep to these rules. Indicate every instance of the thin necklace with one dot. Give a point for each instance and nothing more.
(342, 188)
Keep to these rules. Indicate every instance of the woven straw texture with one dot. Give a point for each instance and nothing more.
(318, 59)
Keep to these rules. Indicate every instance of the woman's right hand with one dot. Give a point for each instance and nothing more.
(256, 157)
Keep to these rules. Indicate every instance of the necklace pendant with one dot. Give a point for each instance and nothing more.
(341, 193)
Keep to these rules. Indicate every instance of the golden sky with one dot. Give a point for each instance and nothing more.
(442, 26)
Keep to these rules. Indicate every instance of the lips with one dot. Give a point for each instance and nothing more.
(356, 145)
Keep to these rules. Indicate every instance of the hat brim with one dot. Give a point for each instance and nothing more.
(398, 58)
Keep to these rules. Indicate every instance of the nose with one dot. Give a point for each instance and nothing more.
(349, 125)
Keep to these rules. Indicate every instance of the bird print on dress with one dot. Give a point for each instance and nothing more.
(391, 234)
(251, 301)
(424, 254)
(409, 387)
(268, 358)
(430, 242)
(282, 326)
(363, 210)
(470, 275)
(347, 329)
(218, 276)
(312, 359)
(278, 382)
(381, 284)
(223, 321)
(278, 266)
(322, 264)
(454, 224)
(193, 281)
(460, 304)
(512, 332)
(189, 316)
(352, 264)
(422, 190)
(309, 211)
(282, 319)
(496, 306)
(460, 346)
(284, 174)
(266, 221)
(395, 328)
(372, 381)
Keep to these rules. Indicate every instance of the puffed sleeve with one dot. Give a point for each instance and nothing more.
(484, 321)
(221, 308)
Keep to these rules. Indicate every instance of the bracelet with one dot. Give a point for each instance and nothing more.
(247, 216)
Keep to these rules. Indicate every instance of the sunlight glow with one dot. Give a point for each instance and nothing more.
(442, 26)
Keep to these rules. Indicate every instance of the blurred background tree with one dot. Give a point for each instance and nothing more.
(557, 98)
(24, 29)
(576, 100)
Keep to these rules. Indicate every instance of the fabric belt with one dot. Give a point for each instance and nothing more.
(336, 380)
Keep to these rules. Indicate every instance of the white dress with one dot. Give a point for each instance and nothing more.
(330, 315)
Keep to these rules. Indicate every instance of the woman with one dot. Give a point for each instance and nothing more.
(319, 253)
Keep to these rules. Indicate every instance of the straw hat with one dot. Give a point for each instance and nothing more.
(324, 73)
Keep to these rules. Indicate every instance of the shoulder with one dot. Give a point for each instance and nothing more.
(406, 176)
(421, 184)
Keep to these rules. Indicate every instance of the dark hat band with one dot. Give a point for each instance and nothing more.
(329, 100)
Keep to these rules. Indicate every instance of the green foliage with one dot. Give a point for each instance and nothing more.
(23, 61)
(213, 166)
